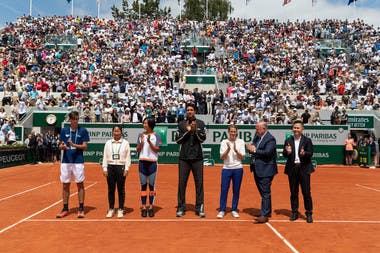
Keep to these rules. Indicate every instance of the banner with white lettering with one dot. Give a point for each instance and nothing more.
(328, 141)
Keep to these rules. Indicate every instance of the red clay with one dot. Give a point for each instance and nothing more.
(346, 214)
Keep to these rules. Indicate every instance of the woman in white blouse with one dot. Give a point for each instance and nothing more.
(116, 163)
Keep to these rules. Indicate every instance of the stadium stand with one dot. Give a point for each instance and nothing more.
(123, 71)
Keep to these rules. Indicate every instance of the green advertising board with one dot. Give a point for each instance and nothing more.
(48, 118)
(328, 141)
(162, 131)
(200, 79)
(364, 155)
(19, 131)
(14, 157)
(361, 122)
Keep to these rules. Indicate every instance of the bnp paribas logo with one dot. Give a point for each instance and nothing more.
(199, 80)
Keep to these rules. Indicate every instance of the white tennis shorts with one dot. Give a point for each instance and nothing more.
(72, 169)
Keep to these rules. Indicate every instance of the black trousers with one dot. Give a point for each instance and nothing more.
(297, 179)
(115, 178)
(196, 167)
(34, 153)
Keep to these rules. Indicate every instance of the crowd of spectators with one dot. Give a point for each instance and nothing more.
(43, 146)
(7, 128)
(123, 71)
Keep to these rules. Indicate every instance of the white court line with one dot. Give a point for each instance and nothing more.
(290, 246)
(138, 220)
(36, 213)
(32, 189)
(328, 221)
(348, 221)
(125, 219)
(369, 188)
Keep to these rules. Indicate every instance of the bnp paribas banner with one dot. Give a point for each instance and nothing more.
(328, 141)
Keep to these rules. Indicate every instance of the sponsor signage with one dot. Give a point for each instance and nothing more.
(200, 79)
(328, 141)
(13, 157)
(364, 155)
(361, 122)
(9, 158)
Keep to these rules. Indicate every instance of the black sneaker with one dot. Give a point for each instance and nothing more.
(201, 212)
(143, 212)
(151, 212)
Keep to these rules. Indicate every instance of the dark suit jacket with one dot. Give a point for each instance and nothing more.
(191, 142)
(263, 162)
(306, 163)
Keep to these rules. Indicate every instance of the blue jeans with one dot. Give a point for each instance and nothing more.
(236, 175)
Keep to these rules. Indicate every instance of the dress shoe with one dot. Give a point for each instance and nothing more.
(262, 219)
(309, 219)
(294, 217)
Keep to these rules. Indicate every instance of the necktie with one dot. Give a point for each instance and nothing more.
(259, 141)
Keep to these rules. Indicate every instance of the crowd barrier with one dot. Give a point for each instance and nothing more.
(13, 156)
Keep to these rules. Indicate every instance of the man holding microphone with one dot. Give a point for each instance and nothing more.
(190, 135)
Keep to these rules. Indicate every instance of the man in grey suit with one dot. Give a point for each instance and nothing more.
(264, 167)
(298, 149)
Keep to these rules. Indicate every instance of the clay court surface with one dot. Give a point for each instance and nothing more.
(346, 214)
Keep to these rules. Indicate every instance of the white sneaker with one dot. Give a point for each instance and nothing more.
(372, 167)
(110, 213)
(235, 214)
(220, 215)
(120, 213)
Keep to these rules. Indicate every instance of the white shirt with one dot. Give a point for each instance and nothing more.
(146, 153)
(120, 147)
(296, 147)
(11, 135)
(21, 107)
(232, 161)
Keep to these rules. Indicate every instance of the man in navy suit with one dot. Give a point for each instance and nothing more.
(298, 149)
(264, 167)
